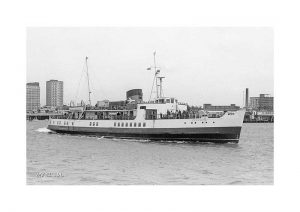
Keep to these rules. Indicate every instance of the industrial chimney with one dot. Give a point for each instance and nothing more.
(247, 98)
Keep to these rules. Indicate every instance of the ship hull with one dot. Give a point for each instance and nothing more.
(197, 134)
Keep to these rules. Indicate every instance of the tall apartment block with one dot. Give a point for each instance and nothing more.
(54, 93)
(32, 96)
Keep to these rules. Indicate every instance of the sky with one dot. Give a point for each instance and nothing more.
(201, 64)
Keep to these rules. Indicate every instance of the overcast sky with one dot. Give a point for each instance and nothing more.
(201, 65)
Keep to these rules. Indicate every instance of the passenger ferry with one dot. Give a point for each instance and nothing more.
(163, 118)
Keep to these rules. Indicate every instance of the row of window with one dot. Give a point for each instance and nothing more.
(196, 122)
(122, 124)
(64, 123)
(93, 123)
(129, 124)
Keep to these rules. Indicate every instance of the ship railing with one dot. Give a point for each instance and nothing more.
(89, 118)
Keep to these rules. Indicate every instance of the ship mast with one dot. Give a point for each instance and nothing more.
(88, 78)
(157, 79)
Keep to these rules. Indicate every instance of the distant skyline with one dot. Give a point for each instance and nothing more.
(201, 64)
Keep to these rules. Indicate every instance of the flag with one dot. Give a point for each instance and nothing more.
(149, 68)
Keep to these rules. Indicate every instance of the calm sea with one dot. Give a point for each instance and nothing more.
(71, 159)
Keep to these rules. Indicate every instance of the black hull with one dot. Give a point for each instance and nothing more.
(208, 134)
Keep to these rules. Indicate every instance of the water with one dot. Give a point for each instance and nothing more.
(71, 159)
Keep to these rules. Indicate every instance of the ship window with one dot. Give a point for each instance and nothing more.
(90, 123)
(144, 124)
(134, 124)
(115, 124)
(93, 123)
(172, 100)
(130, 124)
(140, 124)
(119, 124)
(191, 122)
(122, 124)
(96, 123)
(195, 122)
(168, 101)
(72, 123)
(184, 122)
(126, 125)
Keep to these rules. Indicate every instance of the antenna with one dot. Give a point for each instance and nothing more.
(87, 73)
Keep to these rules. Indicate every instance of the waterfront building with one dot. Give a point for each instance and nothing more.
(263, 102)
(209, 107)
(32, 96)
(54, 93)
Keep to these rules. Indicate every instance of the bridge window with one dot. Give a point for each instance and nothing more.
(144, 124)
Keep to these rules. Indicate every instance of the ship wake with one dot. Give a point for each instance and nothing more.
(44, 130)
